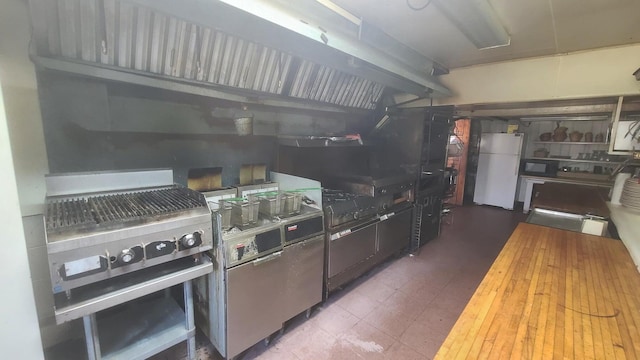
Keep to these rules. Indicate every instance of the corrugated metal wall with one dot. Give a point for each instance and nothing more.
(117, 33)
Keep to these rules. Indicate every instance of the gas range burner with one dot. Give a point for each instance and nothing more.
(343, 207)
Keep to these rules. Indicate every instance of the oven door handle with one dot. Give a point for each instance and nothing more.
(266, 259)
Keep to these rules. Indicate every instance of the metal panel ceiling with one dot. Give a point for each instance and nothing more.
(121, 34)
(537, 28)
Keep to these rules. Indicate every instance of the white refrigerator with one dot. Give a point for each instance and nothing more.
(498, 167)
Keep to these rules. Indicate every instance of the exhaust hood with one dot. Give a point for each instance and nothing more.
(226, 49)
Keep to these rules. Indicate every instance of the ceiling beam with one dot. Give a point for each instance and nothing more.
(545, 111)
(277, 26)
(538, 111)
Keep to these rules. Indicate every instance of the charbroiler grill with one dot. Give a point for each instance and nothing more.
(98, 228)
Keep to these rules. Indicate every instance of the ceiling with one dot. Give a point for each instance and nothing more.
(536, 27)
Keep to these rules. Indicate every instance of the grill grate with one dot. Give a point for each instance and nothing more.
(68, 214)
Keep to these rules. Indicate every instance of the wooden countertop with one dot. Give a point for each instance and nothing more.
(552, 294)
(571, 198)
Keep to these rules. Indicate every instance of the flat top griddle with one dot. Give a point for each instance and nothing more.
(378, 179)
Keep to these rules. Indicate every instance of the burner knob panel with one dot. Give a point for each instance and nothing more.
(190, 240)
(126, 256)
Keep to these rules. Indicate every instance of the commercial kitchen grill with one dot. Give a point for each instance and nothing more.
(94, 234)
(95, 212)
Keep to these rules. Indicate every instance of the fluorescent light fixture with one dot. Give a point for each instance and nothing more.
(477, 20)
(341, 11)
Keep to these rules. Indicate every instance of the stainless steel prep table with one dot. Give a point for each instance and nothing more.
(128, 334)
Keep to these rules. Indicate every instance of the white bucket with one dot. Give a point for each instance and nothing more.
(244, 125)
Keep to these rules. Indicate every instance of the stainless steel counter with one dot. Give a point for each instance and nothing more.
(555, 219)
(587, 224)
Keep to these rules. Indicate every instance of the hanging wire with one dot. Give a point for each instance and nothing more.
(418, 8)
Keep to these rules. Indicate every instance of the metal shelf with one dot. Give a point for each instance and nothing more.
(143, 330)
(578, 160)
(571, 142)
(102, 295)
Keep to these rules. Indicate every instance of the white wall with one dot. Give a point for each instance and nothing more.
(21, 103)
(24, 162)
(19, 334)
(595, 73)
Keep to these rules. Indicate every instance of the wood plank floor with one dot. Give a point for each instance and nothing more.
(552, 294)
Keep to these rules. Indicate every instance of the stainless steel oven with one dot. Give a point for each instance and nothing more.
(394, 232)
(350, 253)
(366, 224)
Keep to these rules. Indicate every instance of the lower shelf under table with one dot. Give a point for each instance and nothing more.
(143, 329)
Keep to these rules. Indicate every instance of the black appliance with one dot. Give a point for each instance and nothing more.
(536, 167)
(431, 181)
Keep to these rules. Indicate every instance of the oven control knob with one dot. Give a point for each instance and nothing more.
(126, 256)
(189, 240)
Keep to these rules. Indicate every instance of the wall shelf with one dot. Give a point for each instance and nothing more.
(578, 160)
(571, 143)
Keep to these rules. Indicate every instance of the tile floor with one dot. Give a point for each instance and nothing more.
(402, 309)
